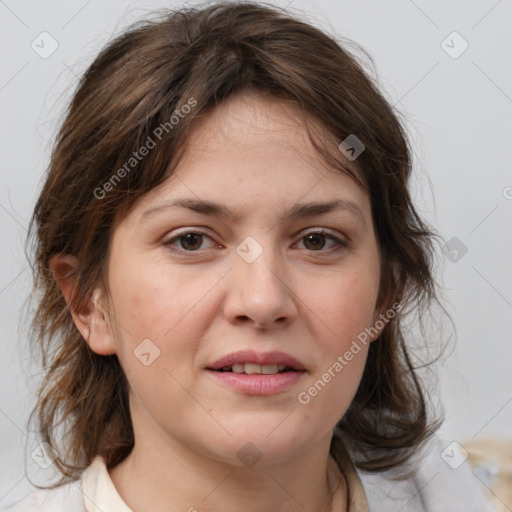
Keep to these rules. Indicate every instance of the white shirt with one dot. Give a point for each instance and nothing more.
(436, 487)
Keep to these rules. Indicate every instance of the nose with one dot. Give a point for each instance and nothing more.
(260, 293)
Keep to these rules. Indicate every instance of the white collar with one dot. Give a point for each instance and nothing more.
(100, 494)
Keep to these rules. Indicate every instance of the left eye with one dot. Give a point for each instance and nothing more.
(316, 241)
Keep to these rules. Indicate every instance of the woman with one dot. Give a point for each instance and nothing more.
(226, 250)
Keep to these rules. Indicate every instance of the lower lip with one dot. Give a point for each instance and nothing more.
(259, 384)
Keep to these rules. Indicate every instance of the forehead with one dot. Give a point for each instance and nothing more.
(247, 116)
(255, 150)
(259, 131)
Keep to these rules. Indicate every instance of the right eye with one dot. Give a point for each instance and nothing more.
(189, 241)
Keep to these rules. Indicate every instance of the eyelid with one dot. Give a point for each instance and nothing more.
(323, 231)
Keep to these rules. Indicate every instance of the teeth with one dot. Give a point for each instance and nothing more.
(251, 369)
(238, 368)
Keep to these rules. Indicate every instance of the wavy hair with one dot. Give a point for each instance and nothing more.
(134, 86)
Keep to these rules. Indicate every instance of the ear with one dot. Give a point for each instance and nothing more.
(92, 318)
(387, 305)
(381, 317)
(376, 327)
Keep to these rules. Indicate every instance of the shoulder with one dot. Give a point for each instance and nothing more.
(94, 490)
(66, 498)
(491, 459)
(443, 482)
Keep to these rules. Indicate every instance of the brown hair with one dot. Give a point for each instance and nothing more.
(202, 56)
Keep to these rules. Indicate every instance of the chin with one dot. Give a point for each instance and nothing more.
(256, 446)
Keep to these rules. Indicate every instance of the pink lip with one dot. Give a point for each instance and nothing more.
(259, 384)
(262, 358)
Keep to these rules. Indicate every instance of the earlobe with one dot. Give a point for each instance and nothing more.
(91, 319)
(381, 317)
(376, 328)
(373, 330)
(101, 337)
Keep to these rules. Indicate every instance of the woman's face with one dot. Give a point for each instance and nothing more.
(262, 272)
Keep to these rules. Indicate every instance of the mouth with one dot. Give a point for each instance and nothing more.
(255, 369)
(252, 373)
(251, 362)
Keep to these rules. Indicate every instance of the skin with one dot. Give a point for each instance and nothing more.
(253, 156)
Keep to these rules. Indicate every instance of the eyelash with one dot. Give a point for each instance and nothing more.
(320, 231)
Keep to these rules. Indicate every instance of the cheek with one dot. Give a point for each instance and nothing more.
(148, 297)
(169, 307)
(338, 384)
(344, 304)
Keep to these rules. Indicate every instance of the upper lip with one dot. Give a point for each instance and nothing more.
(261, 358)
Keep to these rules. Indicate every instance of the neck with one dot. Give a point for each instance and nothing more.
(155, 478)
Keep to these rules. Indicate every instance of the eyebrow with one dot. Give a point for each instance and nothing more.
(297, 211)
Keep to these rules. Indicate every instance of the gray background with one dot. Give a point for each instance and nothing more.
(458, 111)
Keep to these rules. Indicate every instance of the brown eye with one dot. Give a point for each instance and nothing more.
(314, 241)
(189, 241)
(322, 241)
